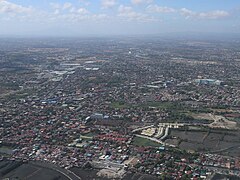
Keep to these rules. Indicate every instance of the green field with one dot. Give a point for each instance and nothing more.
(87, 136)
(138, 141)
(119, 105)
(90, 134)
(6, 150)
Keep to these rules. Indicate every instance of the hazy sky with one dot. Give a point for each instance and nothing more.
(107, 17)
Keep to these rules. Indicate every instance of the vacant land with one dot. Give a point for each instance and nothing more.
(138, 141)
(163, 105)
(16, 170)
(214, 121)
(207, 141)
(138, 176)
(222, 122)
(87, 174)
(206, 116)
(6, 150)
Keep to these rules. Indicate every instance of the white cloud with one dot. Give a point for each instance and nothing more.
(67, 8)
(72, 10)
(84, 2)
(56, 12)
(8, 7)
(55, 5)
(100, 17)
(76, 17)
(159, 9)
(125, 9)
(67, 5)
(66, 13)
(214, 14)
(82, 11)
(187, 13)
(217, 14)
(108, 3)
(141, 1)
(129, 14)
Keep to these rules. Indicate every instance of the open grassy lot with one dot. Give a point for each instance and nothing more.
(6, 150)
(163, 105)
(138, 141)
(31, 172)
(90, 134)
(87, 174)
(119, 105)
(217, 141)
(205, 116)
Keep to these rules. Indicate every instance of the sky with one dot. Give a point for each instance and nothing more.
(117, 17)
